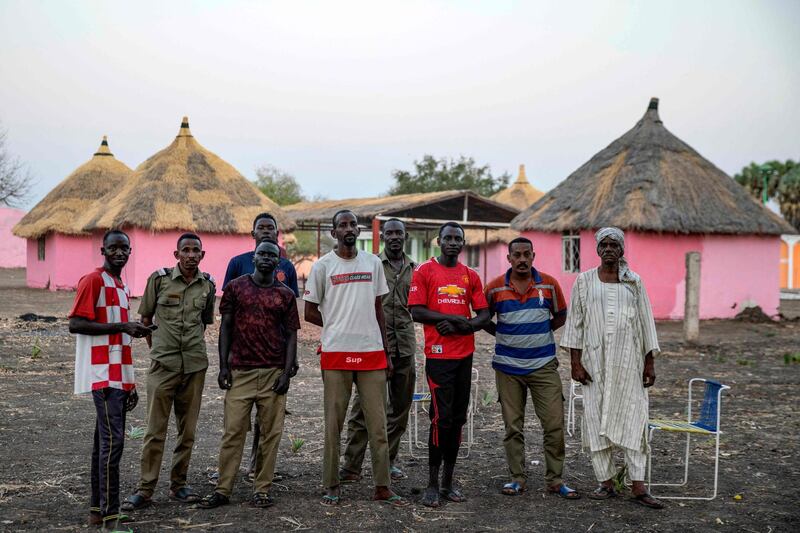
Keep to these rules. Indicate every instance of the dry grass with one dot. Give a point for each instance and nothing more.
(650, 180)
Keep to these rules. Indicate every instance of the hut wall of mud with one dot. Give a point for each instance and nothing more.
(737, 271)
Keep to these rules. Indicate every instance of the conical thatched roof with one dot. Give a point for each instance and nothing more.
(649, 180)
(64, 209)
(185, 187)
(521, 194)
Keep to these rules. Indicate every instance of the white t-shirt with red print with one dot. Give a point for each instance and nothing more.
(345, 290)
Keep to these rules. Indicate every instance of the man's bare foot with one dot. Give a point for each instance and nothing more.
(431, 497)
(385, 494)
(331, 496)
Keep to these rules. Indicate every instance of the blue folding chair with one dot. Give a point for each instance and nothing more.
(708, 424)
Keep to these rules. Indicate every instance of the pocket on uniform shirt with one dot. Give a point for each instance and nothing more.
(200, 303)
(170, 306)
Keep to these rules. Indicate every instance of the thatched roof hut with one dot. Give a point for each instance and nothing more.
(650, 180)
(521, 194)
(64, 209)
(440, 206)
(185, 187)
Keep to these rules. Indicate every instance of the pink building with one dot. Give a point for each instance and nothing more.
(184, 187)
(12, 248)
(670, 201)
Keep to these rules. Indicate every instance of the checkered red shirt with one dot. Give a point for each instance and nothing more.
(102, 360)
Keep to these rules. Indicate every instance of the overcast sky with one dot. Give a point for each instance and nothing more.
(342, 93)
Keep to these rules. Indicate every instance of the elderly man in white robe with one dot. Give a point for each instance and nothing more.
(611, 336)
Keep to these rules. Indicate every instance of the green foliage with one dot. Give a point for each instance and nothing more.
(789, 196)
(302, 244)
(791, 358)
(431, 175)
(36, 350)
(135, 432)
(280, 186)
(619, 479)
(744, 362)
(297, 443)
(487, 398)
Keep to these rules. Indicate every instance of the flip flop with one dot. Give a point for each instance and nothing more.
(213, 500)
(565, 492)
(453, 495)
(262, 500)
(514, 488)
(329, 500)
(395, 501)
(396, 474)
(647, 500)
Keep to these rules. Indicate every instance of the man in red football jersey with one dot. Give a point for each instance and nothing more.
(443, 294)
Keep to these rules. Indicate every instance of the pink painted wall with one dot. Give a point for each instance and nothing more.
(152, 251)
(66, 259)
(730, 266)
(12, 248)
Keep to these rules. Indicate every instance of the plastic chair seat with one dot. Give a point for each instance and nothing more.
(680, 426)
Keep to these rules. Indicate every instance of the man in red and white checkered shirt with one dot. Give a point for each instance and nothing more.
(104, 368)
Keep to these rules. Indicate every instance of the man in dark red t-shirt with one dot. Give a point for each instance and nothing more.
(443, 295)
(257, 350)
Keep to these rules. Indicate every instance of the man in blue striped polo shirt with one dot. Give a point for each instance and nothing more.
(529, 306)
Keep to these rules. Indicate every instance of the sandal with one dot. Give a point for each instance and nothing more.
(603, 493)
(431, 497)
(647, 500)
(515, 488)
(184, 495)
(136, 501)
(453, 495)
(396, 474)
(564, 492)
(213, 500)
(329, 500)
(395, 501)
(347, 477)
(262, 500)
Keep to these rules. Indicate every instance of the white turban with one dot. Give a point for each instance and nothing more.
(616, 234)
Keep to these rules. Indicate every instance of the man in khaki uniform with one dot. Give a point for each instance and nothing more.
(180, 302)
(402, 344)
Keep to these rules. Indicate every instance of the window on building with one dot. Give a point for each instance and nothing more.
(473, 256)
(571, 251)
(40, 244)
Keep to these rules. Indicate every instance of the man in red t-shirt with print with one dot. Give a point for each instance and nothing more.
(442, 292)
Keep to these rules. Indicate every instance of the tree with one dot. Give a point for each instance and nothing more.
(755, 177)
(15, 180)
(431, 175)
(280, 186)
(789, 196)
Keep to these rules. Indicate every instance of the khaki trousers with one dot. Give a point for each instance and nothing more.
(548, 403)
(251, 387)
(371, 386)
(401, 393)
(167, 390)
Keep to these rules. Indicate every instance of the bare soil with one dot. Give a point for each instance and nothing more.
(46, 435)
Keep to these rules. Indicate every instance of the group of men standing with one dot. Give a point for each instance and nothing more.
(366, 306)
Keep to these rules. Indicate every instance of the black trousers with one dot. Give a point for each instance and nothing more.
(109, 439)
(449, 381)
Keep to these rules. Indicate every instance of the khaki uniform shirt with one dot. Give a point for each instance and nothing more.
(181, 312)
(399, 324)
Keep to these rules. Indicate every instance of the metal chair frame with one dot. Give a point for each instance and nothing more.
(420, 399)
(574, 396)
(715, 434)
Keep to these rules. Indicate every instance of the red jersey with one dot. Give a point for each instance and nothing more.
(451, 291)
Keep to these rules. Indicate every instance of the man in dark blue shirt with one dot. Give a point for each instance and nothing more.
(265, 228)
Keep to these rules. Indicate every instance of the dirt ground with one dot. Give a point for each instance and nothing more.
(46, 434)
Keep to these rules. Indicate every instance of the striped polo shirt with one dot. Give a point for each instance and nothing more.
(524, 340)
